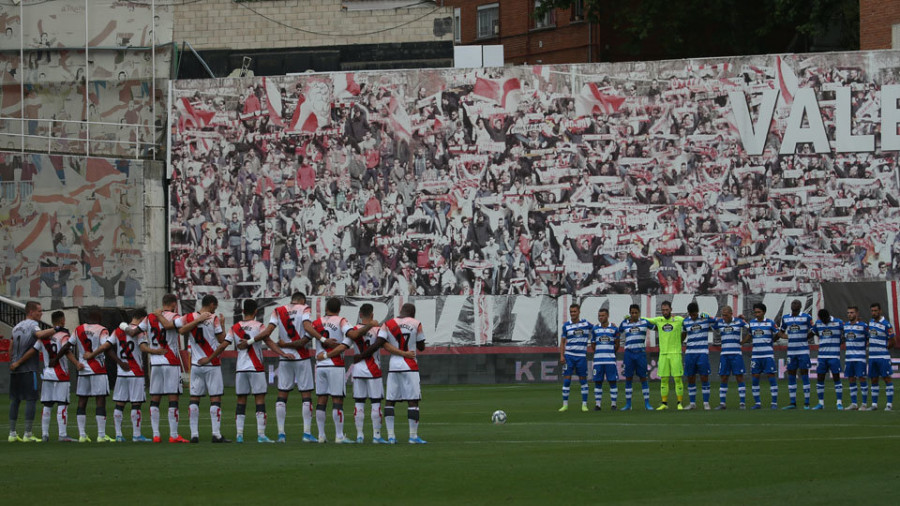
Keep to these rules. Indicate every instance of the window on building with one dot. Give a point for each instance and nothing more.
(457, 27)
(578, 10)
(488, 21)
(547, 20)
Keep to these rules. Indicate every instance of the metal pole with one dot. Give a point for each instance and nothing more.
(153, 80)
(22, 84)
(87, 80)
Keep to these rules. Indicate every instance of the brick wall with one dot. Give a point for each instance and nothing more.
(876, 17)
(566, 43)
(225, 24)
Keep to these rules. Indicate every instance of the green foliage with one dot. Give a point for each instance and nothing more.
(696, 28)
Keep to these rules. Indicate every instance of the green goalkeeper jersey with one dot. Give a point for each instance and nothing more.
(669, 332)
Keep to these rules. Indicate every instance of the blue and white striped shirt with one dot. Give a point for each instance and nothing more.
(879, 333)
(797, 330)
(697, 340)
(730, 333)
(604, 341)
(762, 332)
(856, 335)
(577, 336)
(635, 334)
(829, 337)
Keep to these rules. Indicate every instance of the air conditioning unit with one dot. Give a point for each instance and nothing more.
(496, 28)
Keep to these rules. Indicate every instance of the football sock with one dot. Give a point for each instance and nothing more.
(46, 415)
(359, 417)
(194, 417)
(863, 390)
(806, 388)
(118, 415)
(742, 391)
(320, 420)
(584, 390)
(645, 389)
(853, 392)
(664, 389)
(628, 388)
(173, 418)
(755, 388)
(704, 386)
(679, 388)
(792, 388)
(215, 415)
(692, 392)
(614, 392)
(240, 415)
(135, 421)
(337, 416)
(723, 392)
(81, 419)
(260, 419)
(773, 389)
(820, 391)
(62, 419)
(876, 391)
(412, 413)
(307, 413)
(101, 422)
(154, 417)
(598, 393)
(376, 418)
(889, 391)
(389, 420)
(280, 414)
(30, 411)
(839, 391)
(565, 391)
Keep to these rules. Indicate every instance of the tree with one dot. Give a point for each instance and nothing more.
(694, 28)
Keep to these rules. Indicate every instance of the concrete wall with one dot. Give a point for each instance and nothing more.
(217, 24)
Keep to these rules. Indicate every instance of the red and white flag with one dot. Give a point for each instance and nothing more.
(273, 102)
(189, 117)
(504, 92)
(345, 85)
(399, 118)
(592, 100)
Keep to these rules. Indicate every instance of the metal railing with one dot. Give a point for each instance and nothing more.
(135, 145)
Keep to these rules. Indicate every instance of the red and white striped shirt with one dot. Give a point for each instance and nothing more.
(334, 327)
(49, 349)
(160, 337)
(89, 337)
(203, 338)
(370, 367)
(289, 321)
(250, 359)
(403, 333)
(128, 349)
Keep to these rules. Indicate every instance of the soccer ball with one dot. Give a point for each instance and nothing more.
(499, 417)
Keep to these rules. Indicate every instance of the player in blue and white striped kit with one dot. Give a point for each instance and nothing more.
(573, 343)
(634, 329)
(829, 331)
(881, 338)
(856, 335)
(762, 361)
(795, 327)
(604, 343)
(731, 359)
(696, 354)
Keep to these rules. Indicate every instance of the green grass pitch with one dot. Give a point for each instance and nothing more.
(539, 456)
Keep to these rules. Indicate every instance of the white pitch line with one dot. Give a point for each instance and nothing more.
(698, 425)
(658, 441)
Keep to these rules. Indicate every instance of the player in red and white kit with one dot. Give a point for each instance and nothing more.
(165, 368)
(207, 342)
(330, 380)
(250, 375)
(91, 343)
(403, 370)
(129, 344)
(295, 368)
(55, 375)
(366, 374)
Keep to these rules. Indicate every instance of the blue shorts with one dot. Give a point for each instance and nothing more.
(576, 366)
(731, 364)
(608, 372)
(696, 363)
(635, 363)
(828, 365)
(855, 369)
(880, 368)
(798, 362)
(762, 365)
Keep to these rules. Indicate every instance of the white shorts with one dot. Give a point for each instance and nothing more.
(250, 382)
(368, 388)
(295, 372)
(403, 386)
(55, 391)
(330, 381)
(165, 379)
(94, 385)
(129, 389)
(206, 380)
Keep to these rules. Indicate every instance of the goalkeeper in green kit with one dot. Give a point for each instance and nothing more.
(669, 330)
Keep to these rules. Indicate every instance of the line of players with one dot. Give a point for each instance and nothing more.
(157, 334)
(866, 344)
